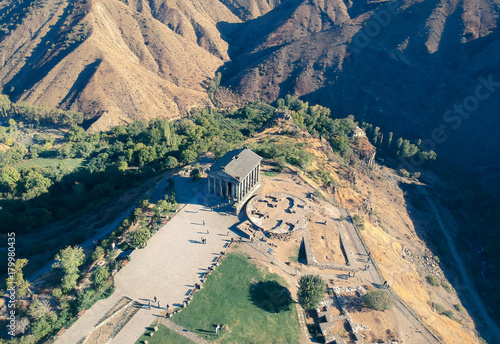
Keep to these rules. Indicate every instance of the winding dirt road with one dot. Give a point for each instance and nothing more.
(491, 331)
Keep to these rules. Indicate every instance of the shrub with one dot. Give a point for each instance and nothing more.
(432, 280)
(378, 300)
(438, 308)
(447, 287)
(436, 259)
(458, 307)
(449, 314)
(317, 193)
(311, 291)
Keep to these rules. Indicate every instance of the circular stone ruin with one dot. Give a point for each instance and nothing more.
(278, 215)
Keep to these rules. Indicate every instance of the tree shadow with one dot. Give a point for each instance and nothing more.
(270, 296)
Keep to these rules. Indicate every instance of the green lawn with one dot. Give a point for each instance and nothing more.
(164, 336)
(225, 299)
(74, 163)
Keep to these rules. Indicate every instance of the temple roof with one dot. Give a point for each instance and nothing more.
(236, 164)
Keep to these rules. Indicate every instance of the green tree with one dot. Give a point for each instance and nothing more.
(399, 143)
(100, 275)
(98, 253)
(122, 166)
(146, 155)
(389, 140)
(17, 281)
(75, 134)
(34, 183)
(9, 177)
(311, 291)
(376, 135)
(139, 238)
(188, 156)
(171, 162)
(378, 300)
(144, 204)
(86, 298)
(195, 172)
(69, 260)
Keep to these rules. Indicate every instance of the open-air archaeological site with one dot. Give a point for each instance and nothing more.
(294, 219)
(290, 228)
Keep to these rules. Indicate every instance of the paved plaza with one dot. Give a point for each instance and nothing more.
(167, 268)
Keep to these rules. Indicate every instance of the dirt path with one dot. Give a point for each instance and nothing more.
(491, 329)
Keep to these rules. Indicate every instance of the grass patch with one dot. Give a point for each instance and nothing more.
(226, 298)
(295, 256)
(73, 163)
(271, 174)
(163, 336)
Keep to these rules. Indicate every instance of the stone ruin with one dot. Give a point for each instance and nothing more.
(278, 215)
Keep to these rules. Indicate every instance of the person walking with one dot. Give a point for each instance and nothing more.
(158, 304)
(149, 304)
(155, 299)
(203, 222)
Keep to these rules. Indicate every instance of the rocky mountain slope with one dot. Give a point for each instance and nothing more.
(412, 67)
(402, 65)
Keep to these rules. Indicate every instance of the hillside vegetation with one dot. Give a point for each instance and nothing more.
(398, 64)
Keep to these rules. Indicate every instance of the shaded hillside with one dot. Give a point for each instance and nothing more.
(400, 65)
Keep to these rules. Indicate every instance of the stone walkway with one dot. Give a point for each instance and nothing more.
(167, 268)
(182, 331)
